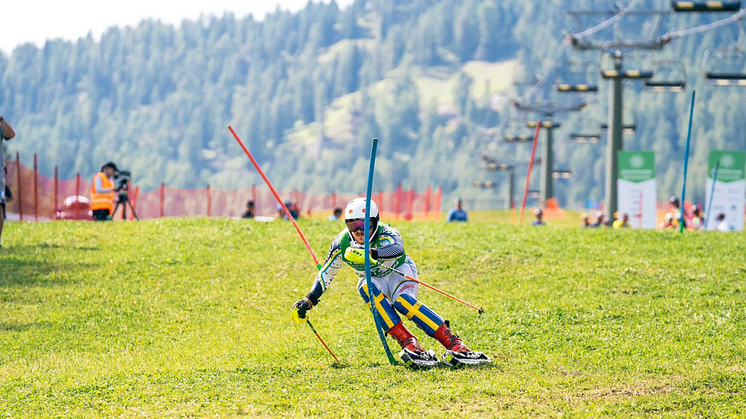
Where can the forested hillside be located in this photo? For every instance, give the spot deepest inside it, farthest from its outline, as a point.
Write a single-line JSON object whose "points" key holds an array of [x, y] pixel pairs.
{"points": [[307, 91]]}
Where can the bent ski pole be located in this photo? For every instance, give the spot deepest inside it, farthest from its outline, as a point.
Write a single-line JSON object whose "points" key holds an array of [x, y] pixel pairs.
{"points": [[682, 220], [368, 261], [290, 217], [480, 310]]}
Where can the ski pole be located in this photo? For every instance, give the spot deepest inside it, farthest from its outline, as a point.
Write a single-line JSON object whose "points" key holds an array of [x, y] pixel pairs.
{"points": [[290, 217], [322, 340], [480, 310]]}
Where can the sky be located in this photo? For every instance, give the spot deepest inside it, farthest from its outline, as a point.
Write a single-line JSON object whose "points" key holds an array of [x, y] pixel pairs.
{"points": [[35, 21]]}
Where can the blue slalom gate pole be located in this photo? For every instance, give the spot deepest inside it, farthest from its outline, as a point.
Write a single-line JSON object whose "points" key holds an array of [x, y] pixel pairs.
{"points": [[712, 194], [366, 230], [686, 162]]}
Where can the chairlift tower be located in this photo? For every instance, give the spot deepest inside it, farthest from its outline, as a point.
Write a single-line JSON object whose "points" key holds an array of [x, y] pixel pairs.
{"points": [[617, 49], [493, 166], [548, 111]]}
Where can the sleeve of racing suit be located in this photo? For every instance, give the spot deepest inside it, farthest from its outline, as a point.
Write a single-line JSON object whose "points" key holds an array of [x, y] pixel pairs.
{"points": [[392, 246], [329, 269]]}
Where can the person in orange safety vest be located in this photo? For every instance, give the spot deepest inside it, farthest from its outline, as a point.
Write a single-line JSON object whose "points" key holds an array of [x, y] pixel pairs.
{"points": [[102, 192]]}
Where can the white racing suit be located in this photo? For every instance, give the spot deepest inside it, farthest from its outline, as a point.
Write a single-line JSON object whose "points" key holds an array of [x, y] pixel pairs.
{"points": [[392, 292]]}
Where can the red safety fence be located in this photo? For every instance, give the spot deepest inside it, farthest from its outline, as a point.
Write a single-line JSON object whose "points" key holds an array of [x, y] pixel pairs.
{"points": [[39, 198]]}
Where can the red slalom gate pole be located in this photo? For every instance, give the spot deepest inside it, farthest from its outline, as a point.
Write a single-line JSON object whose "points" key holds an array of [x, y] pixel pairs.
{"points": [[277, 197], [530, 166], [290, 217]]}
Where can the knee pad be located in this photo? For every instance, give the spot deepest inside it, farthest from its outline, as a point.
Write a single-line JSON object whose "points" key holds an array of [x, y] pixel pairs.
{"points": [[383, 306], [420, 314]]}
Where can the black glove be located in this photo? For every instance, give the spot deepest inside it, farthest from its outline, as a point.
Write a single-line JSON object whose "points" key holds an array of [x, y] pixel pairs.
{"points": [[299, 310]]}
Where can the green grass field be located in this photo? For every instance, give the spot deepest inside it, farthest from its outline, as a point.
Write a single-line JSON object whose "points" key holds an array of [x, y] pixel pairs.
{"points": [[190, 318]]}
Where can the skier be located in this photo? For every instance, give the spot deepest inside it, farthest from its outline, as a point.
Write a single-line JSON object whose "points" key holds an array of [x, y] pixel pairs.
{"points": [[392, 292]]}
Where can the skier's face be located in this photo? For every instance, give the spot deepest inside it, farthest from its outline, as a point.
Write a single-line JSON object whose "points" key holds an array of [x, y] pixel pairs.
{"points": [[357, 228], [359, 236]]}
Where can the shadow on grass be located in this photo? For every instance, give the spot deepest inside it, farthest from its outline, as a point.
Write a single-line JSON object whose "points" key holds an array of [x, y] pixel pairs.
{"points": [[339, 365], [19, 270], [22, 327], [27, 248]]}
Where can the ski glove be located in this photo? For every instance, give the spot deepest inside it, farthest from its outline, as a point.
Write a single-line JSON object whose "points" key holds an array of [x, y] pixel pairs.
{"points": [[357, 256], [299, 310]]}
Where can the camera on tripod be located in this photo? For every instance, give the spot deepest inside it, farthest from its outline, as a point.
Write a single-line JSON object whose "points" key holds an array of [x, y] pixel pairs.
{"points": [[122, 180], [121, 185]]}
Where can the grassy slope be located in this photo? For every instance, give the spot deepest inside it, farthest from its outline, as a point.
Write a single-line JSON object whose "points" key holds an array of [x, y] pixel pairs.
{"points": [[190, 317]]}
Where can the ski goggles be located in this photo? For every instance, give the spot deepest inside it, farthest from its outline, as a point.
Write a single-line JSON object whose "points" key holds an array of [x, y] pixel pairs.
{"points": [[356, 225]]}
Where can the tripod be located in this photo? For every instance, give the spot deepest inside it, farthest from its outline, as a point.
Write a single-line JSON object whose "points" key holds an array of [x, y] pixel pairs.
{"points": [[124, 201]]}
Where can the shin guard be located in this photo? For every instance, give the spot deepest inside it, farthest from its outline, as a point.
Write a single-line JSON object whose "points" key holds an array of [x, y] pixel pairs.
{"points": [[383, 307], [420, 314]]}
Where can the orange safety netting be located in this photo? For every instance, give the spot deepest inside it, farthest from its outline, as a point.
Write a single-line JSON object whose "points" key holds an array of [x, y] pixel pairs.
{"points": [[38, 198]]}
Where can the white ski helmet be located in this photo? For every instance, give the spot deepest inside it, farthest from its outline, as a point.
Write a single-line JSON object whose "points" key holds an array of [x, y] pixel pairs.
{"points": [[355, 212]]}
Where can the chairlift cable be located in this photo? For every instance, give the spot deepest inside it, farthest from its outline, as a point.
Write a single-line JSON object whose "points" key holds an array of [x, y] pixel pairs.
{"points": [[605, 24], [565, 45], [705, 28]]}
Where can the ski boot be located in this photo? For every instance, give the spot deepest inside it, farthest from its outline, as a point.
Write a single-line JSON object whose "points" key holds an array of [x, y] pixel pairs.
{"points": [[457, 354], [412, 354]]}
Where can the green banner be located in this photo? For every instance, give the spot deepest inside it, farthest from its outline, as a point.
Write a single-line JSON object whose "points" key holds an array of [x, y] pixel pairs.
{"points": [[732, 165], [637, 166]]}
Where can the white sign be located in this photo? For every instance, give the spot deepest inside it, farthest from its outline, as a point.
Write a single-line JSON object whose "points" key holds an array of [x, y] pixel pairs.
{"points": [[636, 188], [729, 190]]}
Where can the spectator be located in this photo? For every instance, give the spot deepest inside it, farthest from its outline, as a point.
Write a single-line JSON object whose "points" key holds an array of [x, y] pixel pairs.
{"points": [[722, 224], [696, 223], [102, 192], [336, 215], [6, 133], [294, 210], [669, 222], [539, 221], [586, 220], [281, 212], [249, 210], [457, 214], [623, 223], [600, 221], [676, 204]]}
